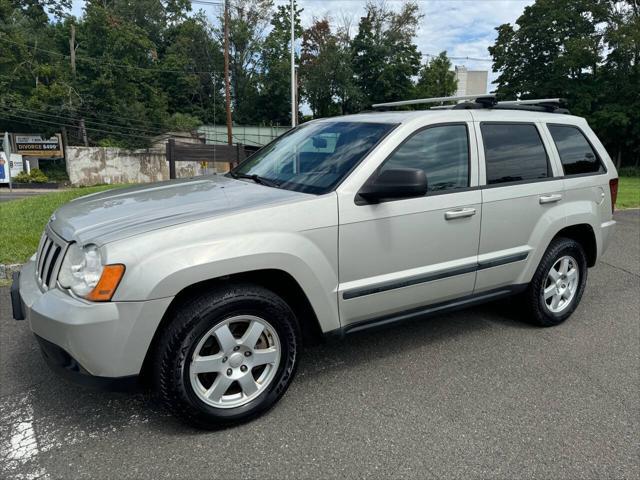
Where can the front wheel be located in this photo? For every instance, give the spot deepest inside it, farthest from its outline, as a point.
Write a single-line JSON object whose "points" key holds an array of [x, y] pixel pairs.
{"points": [[227, 356], [558, 284]]}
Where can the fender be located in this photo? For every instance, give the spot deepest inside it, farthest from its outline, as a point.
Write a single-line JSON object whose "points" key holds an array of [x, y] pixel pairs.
{"points": [[185, 256]]}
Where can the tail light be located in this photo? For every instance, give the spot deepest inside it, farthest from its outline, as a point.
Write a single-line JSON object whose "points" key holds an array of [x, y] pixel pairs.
{"points": [[613, 188]]}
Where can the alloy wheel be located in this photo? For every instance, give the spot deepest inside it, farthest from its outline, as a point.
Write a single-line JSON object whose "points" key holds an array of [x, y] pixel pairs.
{"points": [[561, 284], [235, 361]]}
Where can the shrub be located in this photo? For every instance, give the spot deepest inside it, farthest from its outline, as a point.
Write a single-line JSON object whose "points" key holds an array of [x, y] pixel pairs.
{"points": [[629, 172], [36, 176], [22, 177]]}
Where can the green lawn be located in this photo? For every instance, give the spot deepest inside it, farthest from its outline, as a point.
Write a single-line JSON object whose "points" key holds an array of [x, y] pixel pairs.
{"points": [[22, 221], [628, 192]]}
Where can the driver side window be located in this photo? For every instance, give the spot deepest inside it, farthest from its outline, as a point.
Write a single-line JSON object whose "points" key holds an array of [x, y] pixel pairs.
{"points": [[441, 151]]}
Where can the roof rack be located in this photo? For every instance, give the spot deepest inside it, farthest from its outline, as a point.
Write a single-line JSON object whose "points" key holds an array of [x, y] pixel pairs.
{"points": [[472, 102], [420, 101]]}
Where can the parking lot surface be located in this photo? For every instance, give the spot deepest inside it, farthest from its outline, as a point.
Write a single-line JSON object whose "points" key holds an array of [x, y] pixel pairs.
{"points": [[471, 394]]}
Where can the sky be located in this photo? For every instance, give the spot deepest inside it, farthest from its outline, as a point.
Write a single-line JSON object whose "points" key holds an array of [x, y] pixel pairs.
{"points": [[464, 28]]}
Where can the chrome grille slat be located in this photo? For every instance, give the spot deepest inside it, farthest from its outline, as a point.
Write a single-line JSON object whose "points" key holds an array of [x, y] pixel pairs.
{"points": [[49, 259], [41, 253]]}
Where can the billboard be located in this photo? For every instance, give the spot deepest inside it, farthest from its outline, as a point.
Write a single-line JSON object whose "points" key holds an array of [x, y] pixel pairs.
{"points": [[34, 145]]}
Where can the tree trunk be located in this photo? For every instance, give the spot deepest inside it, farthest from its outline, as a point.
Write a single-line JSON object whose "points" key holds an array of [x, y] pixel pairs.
{"points": [[619, 159]]}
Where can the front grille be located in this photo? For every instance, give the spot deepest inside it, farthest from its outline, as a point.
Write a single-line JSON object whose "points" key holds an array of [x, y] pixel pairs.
{"points": [[49, 258]]}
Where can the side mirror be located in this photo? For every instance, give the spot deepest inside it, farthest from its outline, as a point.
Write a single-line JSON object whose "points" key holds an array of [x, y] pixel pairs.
{"points": [[395, 183]]}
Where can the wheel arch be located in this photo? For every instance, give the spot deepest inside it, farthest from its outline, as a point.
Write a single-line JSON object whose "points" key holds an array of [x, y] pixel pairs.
{"points": [[278, 281], [584, 234]]}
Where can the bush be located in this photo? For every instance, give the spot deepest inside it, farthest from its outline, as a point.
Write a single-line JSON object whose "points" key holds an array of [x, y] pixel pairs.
{"points": [[22, 177], [629, 172], [36, 176]]}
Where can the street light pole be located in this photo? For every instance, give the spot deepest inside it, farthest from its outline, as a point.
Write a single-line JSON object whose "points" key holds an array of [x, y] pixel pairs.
{"points": [[293, 69]]}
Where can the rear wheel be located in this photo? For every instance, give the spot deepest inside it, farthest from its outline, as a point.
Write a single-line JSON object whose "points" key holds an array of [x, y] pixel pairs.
{"points": [[558, 284], [227, 356]]}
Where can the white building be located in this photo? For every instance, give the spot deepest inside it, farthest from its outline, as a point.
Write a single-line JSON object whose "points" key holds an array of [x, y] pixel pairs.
{"points": [[471, 82]]}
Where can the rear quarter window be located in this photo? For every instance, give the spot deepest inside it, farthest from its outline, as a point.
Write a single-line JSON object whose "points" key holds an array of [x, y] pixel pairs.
{"points": [[514, 152], [576, 153]]}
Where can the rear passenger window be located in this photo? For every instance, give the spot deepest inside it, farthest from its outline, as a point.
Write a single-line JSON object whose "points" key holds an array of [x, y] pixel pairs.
{"points": [[441, 151], [576, 154], [513, 152]]}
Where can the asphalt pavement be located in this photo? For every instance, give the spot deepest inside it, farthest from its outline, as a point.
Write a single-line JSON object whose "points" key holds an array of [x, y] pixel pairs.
{"points": [[7, 195], [471, 394]]}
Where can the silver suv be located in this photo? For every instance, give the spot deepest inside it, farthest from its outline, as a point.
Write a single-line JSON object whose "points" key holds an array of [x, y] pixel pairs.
{"points": [[208, 286]]}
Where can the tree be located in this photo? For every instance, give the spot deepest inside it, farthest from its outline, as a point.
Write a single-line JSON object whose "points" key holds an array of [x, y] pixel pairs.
{"points": [[275, 78], [247, 27], [436, 78], [385, 59], [323, 65], [582, 50]]}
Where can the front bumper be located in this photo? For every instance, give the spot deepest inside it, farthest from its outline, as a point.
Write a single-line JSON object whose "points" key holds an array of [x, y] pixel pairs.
{"points": [[109, 339]]}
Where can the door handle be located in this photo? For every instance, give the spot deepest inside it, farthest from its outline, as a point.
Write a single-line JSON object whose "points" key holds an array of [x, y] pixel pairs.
{"points": [[459, 213], [556, 197]]}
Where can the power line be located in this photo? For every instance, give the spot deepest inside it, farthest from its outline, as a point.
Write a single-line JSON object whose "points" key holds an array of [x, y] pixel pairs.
{"points": [[18, 116], [71, 118], [107, 63]]}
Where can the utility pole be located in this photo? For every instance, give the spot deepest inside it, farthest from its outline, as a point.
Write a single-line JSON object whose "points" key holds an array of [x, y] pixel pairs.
{"points": [[227, 86], [293, 68], [72, 57], [72, 50]]}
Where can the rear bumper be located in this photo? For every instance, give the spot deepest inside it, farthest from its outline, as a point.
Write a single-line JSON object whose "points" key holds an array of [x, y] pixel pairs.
{"points": [[107, 339], [606, 232]]}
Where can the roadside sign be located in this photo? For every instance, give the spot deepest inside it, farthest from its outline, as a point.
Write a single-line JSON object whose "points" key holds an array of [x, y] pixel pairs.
{"points": [[34, 145], [10, 167], [4, 168]]}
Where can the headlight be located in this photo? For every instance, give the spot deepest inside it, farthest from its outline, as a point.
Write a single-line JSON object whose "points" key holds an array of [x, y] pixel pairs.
{"points": [[82, 272]]}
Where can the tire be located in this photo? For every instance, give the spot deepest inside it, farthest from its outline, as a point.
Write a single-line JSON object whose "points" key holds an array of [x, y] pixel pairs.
{"points": [[562, 292], [192, 369]]}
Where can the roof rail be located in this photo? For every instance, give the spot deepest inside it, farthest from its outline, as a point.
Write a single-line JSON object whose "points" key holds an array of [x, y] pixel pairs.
{"points": [[472, 102], [419, 101]]}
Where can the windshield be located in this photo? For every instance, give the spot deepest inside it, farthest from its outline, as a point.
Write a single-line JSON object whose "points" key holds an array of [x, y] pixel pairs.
{"points": [[313, 157]]}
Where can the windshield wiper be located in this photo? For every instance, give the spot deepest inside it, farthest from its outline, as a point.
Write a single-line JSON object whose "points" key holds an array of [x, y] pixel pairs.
{"points": [[256, 178]]}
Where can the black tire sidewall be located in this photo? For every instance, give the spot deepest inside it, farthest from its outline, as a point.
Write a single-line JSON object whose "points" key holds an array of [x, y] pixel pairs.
{"points": [[559, 248], [204, 315]]}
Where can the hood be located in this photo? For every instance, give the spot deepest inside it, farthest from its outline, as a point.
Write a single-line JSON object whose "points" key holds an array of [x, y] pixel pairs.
{"points": [[115, 214]]}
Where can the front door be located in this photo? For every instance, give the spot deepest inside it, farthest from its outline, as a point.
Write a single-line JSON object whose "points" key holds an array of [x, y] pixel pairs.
{"points": [[399, 255]]}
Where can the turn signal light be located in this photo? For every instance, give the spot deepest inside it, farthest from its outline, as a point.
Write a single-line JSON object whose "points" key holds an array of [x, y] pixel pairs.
{"points": [[109, 281]]}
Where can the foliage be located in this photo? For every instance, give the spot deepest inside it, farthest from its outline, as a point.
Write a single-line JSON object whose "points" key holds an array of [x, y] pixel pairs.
{"points": [[384, 57], [586, 51], [275, 86], [34, 176], [181, 122], [55, 170], [436, 78], [22, 177], [22, 221]]}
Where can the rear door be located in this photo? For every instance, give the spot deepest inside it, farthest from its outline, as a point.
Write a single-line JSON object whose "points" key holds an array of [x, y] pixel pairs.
{"points": [[521, 186]]}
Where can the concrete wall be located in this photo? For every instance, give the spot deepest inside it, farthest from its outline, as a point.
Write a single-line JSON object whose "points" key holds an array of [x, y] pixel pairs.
{"points": [[98, 165]]}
